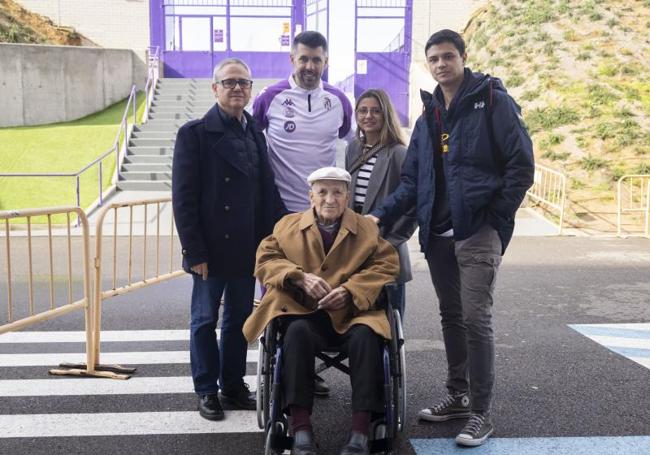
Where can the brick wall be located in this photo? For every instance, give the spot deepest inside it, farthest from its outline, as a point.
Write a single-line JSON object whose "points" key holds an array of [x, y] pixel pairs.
{"points": [[121, 24]]}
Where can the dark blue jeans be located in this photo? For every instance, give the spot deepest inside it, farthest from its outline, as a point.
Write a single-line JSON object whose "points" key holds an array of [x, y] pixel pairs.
{"points": [[225, 363]]}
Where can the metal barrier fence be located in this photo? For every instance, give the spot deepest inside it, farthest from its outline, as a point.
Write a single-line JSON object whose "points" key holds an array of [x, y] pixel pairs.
{"points": [[633, 197], [132, 230], [549, 190], [133, 233], [31, 315]]}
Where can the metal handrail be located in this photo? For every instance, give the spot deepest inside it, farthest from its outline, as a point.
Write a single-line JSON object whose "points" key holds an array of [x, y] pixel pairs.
{"points": [[153, 74], [76, 175], [643, 205], [549, 188], [123, 129]]}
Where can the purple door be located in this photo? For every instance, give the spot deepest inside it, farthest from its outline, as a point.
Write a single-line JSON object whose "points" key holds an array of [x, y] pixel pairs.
{"points": [[383, 50], [194, 35]]}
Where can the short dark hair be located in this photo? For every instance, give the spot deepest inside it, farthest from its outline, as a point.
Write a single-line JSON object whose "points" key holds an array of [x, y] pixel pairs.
{"points": [[310, 39], [446, 36]]}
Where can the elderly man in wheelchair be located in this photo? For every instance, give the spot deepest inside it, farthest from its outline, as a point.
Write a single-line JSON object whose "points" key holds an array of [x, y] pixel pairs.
{"points": [[323, 269]]}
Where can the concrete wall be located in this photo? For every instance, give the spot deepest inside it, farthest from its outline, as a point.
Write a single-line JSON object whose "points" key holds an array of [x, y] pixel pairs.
{"points": [[121, 24], [429, 16], [47, 84]]}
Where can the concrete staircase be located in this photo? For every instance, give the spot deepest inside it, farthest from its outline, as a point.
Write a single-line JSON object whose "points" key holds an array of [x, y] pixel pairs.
{"points": [[148, 162]]}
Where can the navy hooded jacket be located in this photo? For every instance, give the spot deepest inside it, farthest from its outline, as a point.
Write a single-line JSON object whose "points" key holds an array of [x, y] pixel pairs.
{"points": [[488, 168]]}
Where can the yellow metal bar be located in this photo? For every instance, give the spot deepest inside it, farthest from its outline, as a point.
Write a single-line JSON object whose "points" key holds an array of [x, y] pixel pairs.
{"points": [[647, 208], [29, 255], [130, 241], [144, 256], [41, 317], [91, 361], [69, 260], [10, 314], [140, 284], [171, 247], [49, 238], [157, 238], [114, 247]]}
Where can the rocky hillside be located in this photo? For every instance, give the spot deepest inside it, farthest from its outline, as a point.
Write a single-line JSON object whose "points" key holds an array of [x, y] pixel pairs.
{"points": [[581, 71], [17, 25]]}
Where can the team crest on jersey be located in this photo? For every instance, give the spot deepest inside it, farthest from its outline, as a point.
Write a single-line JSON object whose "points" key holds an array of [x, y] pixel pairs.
{"points": [[289, 112], [290, 126], [327, 103], [287, 102]]}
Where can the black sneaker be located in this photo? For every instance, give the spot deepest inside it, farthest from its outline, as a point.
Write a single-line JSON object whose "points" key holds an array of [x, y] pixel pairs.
{"points": [[476, 431], [210, 408], [453, 406], [239, 398]]}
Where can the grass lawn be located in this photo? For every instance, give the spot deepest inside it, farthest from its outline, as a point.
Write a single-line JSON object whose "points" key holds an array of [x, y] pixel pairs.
{"points": [[59, 147]]}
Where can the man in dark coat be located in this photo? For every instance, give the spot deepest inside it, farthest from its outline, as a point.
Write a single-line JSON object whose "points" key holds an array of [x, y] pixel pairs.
{"points": [[467, 169], [225, 201]]}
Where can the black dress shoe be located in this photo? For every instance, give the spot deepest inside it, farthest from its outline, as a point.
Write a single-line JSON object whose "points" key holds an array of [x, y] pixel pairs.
{"points": [[321, 389], [357, 445], [239, 398], [210, 408], [303, 443]]}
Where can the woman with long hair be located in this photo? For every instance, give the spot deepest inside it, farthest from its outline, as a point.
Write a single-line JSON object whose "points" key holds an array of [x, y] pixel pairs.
{"points": [[374, 159]]}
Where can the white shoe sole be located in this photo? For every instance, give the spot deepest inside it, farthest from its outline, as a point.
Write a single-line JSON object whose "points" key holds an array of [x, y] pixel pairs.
{"points": [[435, 418], [469, 442]]}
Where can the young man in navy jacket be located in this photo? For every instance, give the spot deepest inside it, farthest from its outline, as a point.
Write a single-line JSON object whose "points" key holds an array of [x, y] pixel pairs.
{"points": [[468, 166]]}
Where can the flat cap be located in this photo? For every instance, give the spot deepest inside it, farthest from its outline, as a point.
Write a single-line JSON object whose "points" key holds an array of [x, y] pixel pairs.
{"points": [[329, 173]]}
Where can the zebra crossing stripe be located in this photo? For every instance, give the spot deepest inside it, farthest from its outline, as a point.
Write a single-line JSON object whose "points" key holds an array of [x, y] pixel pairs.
{"points": [[106, 336], [122, 358], [90, 386], [123, 424], [629, 340]]}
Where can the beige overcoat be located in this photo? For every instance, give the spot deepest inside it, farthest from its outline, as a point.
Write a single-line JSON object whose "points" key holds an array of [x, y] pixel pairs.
{"points": [[359, 260]]}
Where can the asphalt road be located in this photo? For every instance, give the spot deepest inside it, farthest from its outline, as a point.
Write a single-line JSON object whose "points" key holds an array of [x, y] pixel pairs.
{"points": [[552, 381]]}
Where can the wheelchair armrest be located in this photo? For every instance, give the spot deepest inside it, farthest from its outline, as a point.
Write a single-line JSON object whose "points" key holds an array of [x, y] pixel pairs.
{"points": [[388, 297]]}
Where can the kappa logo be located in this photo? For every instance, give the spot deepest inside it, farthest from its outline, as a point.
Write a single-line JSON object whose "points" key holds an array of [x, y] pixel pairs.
{"points": [[288, 102], [479, 105], [327, 103], [290, 126]]}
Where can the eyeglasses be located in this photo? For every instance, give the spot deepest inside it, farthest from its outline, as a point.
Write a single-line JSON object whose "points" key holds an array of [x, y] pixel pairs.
{"points": [[375, 111], [230, 83]]}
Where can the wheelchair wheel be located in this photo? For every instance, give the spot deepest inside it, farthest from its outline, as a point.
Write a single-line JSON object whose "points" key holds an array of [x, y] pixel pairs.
{"points": [[260, 384], [275, 429], [401, 380], [265, 367]]}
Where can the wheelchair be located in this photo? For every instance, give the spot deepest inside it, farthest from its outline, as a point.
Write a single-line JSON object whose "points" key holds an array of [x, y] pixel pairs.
{"points": [[384, 431]]}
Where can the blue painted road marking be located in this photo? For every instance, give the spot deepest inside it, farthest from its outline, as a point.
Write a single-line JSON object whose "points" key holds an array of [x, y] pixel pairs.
{"points": [[629, 340], [624, 445]]}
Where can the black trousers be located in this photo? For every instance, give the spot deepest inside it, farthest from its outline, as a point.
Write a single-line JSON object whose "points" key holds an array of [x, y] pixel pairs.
{"points": [[307, 335]]}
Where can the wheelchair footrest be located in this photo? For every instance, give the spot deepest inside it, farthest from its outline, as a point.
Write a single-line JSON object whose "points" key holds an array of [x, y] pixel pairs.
{"points": [[381, 445], [282, 442]]}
